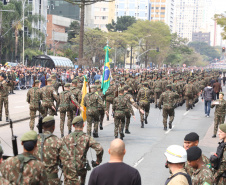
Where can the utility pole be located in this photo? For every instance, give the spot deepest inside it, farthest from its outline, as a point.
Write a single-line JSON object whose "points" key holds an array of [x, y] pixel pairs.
{"points": [[24, 1], [131, 57], [0, 35]]}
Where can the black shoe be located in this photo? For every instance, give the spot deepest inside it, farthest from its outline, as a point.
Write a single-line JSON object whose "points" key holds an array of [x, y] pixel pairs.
{"points": [[165, 128], [101, 127], [0, 118], [170, 125], [116, 137], [187, 109], [193, 105], [95, 135], [127, 131], [213, 136], [146, 121], [121, 136], [142, 124], [7, 119], [69, 131], [156, 106], [62, 135], [108, 118], [13, 93]]}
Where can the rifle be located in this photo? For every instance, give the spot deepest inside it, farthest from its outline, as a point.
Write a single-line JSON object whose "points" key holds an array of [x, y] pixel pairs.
{"points": [[34, 78], [62, 85], [39, 125]]}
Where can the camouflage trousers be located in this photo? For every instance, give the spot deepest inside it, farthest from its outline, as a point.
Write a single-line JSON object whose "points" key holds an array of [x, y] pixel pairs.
{"points": [[54, 181], [128, 116], [33, 111], [5, 101], [93, 118], [101, 115], [48, 110], [144, 105], [157, 96], [221, 181], [218, 119], [108, 103], [189, 101], [119, 120], [62, 120], [168, 112], [82, 174]]}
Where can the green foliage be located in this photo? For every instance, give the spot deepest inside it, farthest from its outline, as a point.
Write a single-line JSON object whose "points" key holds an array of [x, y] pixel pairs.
{"points": [[221, 20], [31, 52], [73, 30], [122, 24]]}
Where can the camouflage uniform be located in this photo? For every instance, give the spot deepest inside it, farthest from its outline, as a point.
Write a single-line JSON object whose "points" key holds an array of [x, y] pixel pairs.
{"points": [[157, 91], [77, 145], [101, 109], [110, 96], [188, 92], [119, 106], [56, 85], [4, 98], [202, 176], [168, 100], [66, 97], [48, 95], [92, 102], [49, 155], [33, 98], [219, 114], [13, 79], [4, 181], [144, 103], [190, 170], [76, 92], [33, 170]]}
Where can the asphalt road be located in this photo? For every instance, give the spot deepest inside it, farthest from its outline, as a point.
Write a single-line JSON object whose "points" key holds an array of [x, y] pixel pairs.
{"points": [[144, 147]]}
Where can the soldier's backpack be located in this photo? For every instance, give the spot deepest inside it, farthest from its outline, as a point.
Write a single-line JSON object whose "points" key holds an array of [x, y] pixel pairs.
{"points": [[180, 173], [44, 137], [158, 87], [188, 90]]}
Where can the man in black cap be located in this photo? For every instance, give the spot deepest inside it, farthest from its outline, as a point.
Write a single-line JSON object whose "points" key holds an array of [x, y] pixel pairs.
{"points": [[190, 140], [202, 174]]}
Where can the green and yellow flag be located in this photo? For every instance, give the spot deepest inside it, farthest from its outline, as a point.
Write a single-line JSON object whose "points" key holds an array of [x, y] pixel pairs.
{"points": [[106, 74], [84, 92]]}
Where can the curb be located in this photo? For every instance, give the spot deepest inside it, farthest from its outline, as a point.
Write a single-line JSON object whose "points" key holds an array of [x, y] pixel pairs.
{"points": [[15, 121]]}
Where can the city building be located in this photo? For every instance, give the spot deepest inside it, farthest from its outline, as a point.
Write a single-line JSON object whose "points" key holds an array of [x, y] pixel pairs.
{"points": [[201, 37]]}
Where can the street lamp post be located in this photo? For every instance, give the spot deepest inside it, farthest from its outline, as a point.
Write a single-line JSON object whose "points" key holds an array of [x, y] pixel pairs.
{"points": [[24, 1]]}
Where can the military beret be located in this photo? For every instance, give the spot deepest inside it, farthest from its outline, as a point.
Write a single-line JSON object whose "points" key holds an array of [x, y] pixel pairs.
{"points": [[67, 85], [145, 83], [48, 118], [37, 81], [49, 79], [77, 119], [1, 150], [74, 81], [191, 137], [29, 136], [53, 75], [126, 87], [222, 127], [194, 153], [99, 87], [221, 93], [121, 89], [93, 87], [97, 81]]}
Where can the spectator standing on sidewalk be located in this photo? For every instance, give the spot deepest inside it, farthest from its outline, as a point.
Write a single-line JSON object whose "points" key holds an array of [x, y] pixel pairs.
{"points": [[217, 88], [208, 95]]}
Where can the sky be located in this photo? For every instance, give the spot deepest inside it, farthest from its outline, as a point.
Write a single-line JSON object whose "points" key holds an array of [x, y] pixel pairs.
{"points": [[220, 5]]}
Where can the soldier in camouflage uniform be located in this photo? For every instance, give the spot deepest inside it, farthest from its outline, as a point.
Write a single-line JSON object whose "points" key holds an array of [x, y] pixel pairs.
{"points": [[130, 99], [190, 140], [77, 145], [202, 174], [168, 99], [157, 90], [13, 80], [48, 150], [4, 96], [76, 92], [92, 102], [220, 111], [143, 97], [48, 95], [66, 97], [55, 83], [2, 180], [25, 168], [188, 93], [33, 98], [120, 105], [110, 95], [100, 108]]}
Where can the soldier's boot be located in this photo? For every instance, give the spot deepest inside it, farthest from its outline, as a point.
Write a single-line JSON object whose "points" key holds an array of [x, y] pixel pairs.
{"points": [[190, 105], [214, 136], [165, 128], [142, 124], [62, 135], [69, 131], [146, 121], [156, 106], [101, 126], [95, 134], [121, 136], [13, 92], [107, 118], [170, 125], [116, 137], [0, 118], [127, 131], [7, 119], [193, 105]]}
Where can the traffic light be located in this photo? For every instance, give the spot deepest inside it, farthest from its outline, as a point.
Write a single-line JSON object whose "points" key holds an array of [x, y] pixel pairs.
{"points": [[157, 49], [223, 50]]}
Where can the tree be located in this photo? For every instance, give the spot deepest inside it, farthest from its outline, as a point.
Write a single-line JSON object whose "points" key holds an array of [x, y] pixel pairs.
{"points": [[221, 20], [73, 30], [82, 4], [122, 24]]}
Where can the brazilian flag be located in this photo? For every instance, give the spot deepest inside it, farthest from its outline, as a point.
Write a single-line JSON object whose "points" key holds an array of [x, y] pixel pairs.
{"points": [[106, 74]]}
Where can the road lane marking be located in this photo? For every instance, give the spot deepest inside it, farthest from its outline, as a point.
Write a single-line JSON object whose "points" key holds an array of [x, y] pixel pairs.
{"points": [[186, 113], [169, 130], [138, 162]]}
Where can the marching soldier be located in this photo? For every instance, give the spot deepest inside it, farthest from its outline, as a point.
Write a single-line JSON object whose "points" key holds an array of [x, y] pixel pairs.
{"points": [[168, 100], [188, 92], [4, 96], [157, 90], [100, 108], [110, 96], [55, 83], [66, 97], [48, 150], [77, 145], [48, 95], [119, 106], [2, 180], [92, 102], [77, 93], [143, 97], [26, 169], [33, 98]]}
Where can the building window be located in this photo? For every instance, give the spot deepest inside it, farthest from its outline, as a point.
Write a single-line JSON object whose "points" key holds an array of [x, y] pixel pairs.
{"points": [[163, 8]]}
